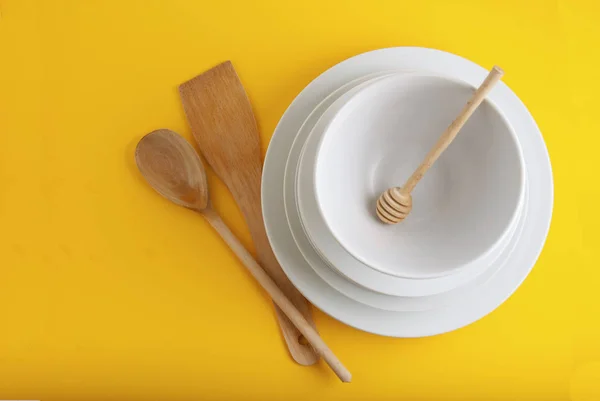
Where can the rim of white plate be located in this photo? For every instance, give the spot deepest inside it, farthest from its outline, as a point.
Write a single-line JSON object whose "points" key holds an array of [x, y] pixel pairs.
{"points": [[407, 324]]}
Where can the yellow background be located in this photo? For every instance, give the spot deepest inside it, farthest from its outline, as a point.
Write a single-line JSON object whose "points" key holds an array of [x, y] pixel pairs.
{"points": [[107, 291]]}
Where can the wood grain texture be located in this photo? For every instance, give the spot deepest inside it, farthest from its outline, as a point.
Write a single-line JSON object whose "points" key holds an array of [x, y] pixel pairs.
{"points": [[395, 204], [223, 125], [173, 168]]}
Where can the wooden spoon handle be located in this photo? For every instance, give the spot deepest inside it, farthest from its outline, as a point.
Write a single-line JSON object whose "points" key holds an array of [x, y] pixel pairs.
{"points": [[453, 129], [278, 296]]}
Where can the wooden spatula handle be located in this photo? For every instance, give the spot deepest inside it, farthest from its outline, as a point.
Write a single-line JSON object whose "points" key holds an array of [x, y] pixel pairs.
{"points": [[250, 206], [450, 133], [278, 296]]}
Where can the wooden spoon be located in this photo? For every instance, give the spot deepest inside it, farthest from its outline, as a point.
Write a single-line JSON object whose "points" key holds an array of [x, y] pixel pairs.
{"points": [[173, 168], [395, 204], [223, 125]]}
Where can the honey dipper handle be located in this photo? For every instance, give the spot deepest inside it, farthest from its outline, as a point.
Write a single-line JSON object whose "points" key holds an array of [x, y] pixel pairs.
{"points": [[453, 129], [277, 295]]}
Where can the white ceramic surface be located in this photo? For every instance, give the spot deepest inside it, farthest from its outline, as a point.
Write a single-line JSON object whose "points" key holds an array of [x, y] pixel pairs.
{"points": [[464, 205], [337, 257], [488, 296], [318, 262]]}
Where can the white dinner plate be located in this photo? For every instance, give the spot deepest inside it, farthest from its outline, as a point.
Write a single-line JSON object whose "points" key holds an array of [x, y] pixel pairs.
{"points": [[487, 296], [334, 253], [319, 263]]}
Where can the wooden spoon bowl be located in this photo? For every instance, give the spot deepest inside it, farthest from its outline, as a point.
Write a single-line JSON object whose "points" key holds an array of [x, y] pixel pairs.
{"points": [[172, 167]]}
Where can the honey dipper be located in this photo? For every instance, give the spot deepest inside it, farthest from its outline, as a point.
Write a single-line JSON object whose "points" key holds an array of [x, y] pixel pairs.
{"points": [[396, 203]]}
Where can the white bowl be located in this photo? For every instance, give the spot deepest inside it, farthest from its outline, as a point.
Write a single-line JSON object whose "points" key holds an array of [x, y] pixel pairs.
{"points": [[319, 263], [463, 206], [326, 246]]}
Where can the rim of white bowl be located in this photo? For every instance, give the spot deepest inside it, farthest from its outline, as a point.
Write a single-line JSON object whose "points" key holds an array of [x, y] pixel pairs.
{"points": [[477, 256]]}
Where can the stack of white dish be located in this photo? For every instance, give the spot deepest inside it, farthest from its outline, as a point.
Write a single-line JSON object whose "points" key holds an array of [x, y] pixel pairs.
{"points": [[473, 235]]}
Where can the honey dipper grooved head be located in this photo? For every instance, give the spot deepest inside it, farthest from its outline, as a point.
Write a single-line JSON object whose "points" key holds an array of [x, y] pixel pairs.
{"points": [[393, 206]]}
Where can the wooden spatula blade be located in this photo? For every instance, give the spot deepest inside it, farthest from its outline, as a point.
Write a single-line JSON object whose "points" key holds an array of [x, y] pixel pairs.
{"points": [[218, 108]]}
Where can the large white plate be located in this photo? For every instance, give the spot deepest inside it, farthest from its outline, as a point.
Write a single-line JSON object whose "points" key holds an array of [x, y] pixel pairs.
{"points": [[486, 297], [332, 251], [318, 262]]}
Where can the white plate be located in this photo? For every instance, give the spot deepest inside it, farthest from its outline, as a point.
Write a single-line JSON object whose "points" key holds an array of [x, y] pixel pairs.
{"points": [[334, 253], [486, 297], [318, 262]]}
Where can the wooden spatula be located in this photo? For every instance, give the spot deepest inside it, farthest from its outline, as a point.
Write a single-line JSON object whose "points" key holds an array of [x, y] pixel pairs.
{"points": [[223, 124]]}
